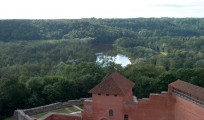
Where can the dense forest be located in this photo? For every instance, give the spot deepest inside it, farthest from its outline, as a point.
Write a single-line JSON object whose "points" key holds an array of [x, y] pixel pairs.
{"points": [[45, 61]]}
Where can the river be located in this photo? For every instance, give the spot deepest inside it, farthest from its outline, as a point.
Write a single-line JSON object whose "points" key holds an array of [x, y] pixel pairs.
{"points": [[104, 60]]}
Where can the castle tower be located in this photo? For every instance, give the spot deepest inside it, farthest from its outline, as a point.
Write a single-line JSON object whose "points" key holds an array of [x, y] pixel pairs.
{"points": [[109, 97]]}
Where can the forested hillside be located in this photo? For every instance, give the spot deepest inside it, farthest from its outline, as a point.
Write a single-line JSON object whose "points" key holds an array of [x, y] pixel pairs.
{"points": [[102, 30], [45, 61]]}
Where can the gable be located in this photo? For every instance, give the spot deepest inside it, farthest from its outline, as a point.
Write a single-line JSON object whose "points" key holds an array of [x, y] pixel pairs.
{"points": [[115, 84]]}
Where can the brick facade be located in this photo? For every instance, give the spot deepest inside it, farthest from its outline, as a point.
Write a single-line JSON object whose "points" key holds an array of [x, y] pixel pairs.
{"points": [[165, 106]]}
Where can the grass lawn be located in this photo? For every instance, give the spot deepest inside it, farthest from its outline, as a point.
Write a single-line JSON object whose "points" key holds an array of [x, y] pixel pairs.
{"points": [[63, 110], [9, 118]]}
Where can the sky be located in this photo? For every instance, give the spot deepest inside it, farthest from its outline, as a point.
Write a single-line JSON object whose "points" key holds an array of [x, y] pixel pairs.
{"points": [[76, 9]]}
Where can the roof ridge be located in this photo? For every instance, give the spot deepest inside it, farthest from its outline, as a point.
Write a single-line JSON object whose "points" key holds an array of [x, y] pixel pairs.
{"points": [[186, 83], [104, 79], [114, 84]]}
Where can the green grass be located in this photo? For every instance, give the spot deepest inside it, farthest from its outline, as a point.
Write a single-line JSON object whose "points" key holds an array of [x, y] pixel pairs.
{"points": [[39, 115], [74, 109], [9, 118], [63, 111]]}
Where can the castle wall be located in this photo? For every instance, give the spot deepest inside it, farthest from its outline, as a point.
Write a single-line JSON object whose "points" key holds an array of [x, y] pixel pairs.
{"points": [[87, 113], [187, 110], [102, 104], [20, 115], [128, 96], [164, 107], [157, 107], [26, 113]]}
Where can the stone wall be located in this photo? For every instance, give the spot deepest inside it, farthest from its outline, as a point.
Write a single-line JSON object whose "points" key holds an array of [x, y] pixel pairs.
{"points": [[26, 113], [20, 115], [41, 109]]}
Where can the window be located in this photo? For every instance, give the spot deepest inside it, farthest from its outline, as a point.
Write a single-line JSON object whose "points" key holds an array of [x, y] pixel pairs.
{"points": [[107, 94], [99, 93], [125, 117], [110, 112], [115, 95]]}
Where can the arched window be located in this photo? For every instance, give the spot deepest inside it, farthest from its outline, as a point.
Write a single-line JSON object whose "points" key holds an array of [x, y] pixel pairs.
{"points": [[110, 112], [125, 117]]}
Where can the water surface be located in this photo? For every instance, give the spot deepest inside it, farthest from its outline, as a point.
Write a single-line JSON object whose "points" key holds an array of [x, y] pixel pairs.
{"points": [[104, 60]]}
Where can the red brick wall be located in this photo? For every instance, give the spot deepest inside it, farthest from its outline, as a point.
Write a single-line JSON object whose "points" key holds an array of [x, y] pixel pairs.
{"points": [[88, 111], [157, 107], [102, 104], [186, 110], [128, 96], [165, 107]]}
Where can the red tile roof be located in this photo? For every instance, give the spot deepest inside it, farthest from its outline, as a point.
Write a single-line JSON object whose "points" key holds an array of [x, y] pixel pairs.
{"points": [[193, 90], [115, 84]]}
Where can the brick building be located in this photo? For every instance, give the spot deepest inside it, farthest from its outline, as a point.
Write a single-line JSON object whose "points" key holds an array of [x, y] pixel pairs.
{"points": [[112, 99], [109, 99]]}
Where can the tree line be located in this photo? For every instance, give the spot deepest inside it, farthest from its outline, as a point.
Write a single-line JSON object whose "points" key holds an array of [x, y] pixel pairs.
{"points": [[102, 30]]}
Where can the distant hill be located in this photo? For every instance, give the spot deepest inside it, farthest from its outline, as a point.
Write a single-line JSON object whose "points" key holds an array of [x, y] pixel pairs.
{"points": [[102, 30]]}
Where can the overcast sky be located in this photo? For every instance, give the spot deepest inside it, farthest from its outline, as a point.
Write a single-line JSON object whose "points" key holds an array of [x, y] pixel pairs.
{"points": [[66, 9]]}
